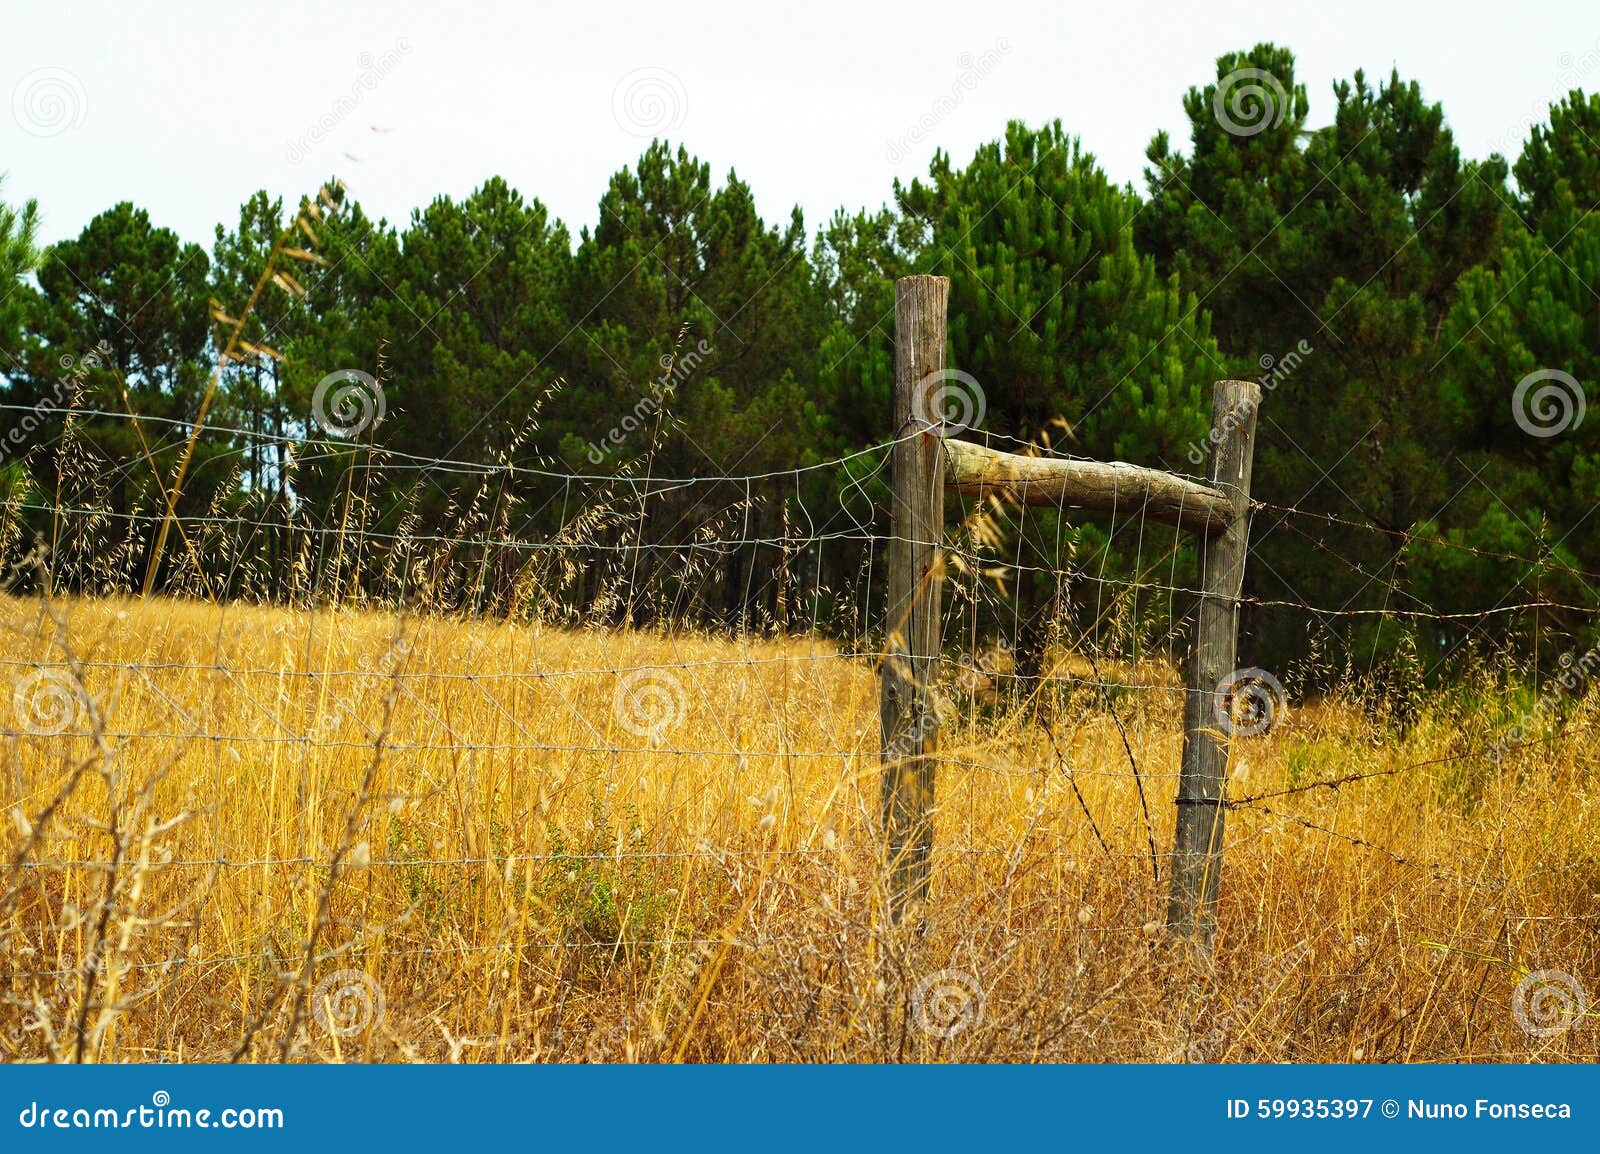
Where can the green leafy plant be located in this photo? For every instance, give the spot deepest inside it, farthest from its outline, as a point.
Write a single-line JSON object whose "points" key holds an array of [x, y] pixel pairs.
{"points": [[603, 889]]}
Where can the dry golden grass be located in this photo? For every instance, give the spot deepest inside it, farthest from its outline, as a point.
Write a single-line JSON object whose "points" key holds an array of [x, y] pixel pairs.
{"points": [[246, 801]]}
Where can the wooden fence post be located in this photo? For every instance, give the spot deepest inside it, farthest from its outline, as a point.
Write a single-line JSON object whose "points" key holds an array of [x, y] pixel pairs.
{"points": [[1202, 784], [914, 586]]}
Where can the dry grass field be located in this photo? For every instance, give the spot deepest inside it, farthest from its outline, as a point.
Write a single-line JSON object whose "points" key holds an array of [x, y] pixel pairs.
{"points": [[268, 834]]}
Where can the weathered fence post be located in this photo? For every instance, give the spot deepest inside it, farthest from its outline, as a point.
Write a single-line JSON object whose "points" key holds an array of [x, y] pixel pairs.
{"points": [[1202, 784], [914, 584]]}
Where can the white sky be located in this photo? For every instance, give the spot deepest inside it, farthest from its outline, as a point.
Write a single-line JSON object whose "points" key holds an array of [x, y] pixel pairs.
{"points": [[186, 108]]}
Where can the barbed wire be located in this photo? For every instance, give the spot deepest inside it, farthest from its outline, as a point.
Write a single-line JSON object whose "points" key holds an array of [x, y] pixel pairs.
{"points": [[521, 947], [515, 859], [1410, 536], [1105, 630], [449, 464], [652, 486]]}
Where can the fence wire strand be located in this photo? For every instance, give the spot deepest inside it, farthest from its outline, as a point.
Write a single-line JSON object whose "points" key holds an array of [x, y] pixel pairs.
{"points": [[718, 626]]}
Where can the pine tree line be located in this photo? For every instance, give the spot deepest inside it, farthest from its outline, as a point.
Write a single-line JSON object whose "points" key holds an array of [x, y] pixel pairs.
{"points": [[1390, 294]]}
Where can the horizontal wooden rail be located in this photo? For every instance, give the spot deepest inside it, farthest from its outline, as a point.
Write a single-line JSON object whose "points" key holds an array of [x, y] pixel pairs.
{"points": [[977, 471]]}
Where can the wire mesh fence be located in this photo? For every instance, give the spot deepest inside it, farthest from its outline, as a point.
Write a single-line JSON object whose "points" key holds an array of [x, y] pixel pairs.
{"points": [[408, 757]]}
